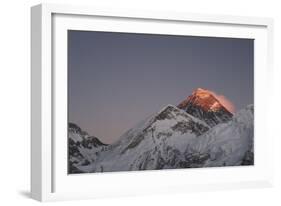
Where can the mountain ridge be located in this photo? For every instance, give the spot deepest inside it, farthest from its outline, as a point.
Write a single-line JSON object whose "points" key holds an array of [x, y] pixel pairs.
{"points": [[168, 139]]}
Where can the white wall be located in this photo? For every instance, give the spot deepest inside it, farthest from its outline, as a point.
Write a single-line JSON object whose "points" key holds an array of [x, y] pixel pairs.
{"points": [[15, 95]]}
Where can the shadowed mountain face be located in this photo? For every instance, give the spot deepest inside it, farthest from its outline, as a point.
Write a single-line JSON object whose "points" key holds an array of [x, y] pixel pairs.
{"points": [[203, 105], [200, 132]]}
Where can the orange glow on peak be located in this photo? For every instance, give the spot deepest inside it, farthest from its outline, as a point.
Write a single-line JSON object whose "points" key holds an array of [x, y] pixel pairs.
{"points": [[208, 100], [204, 93]]}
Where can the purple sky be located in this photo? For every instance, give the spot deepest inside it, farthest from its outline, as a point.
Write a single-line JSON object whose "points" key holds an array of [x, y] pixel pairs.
{"points": [[116, 80]]}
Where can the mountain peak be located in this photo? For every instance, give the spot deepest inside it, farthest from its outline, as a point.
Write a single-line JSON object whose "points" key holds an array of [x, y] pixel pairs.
{"points": [[204, 105], [204, 99]]}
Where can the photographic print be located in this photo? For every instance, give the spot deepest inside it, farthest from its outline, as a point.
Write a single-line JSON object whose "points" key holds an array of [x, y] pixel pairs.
{"points": [[155, 101]]}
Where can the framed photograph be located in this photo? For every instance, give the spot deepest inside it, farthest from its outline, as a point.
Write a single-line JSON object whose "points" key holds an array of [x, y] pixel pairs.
{"points": [[137, 102]]}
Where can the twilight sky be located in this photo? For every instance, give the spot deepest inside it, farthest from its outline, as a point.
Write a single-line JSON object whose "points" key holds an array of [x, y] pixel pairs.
{"points": [[116, 80]]}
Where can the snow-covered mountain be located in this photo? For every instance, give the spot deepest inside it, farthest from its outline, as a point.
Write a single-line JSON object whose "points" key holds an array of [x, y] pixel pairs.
{"points": [[205, 106], [173, 138], [82, 148], [155, 143]]}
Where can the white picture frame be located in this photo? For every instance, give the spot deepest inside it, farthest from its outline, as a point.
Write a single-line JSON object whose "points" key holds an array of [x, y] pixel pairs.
{"points": [[49, 179]]}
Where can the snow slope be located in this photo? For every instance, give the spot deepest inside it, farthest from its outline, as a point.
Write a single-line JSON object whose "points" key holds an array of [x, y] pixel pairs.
{"points": [[227, 144]]}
